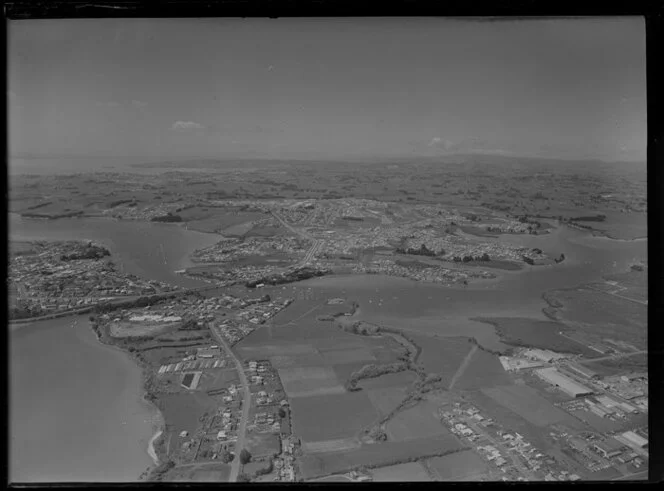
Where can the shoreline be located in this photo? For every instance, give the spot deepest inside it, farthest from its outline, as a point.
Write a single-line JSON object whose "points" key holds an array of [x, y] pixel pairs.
{"points": [[157, 418]]}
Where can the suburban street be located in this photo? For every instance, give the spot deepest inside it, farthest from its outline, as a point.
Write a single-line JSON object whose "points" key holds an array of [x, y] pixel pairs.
{"points": [[246, 403]]}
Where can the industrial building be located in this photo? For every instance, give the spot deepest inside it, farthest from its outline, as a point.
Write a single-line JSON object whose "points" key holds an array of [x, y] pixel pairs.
{"points": [[582, 371], [544, 355], [567, 385], [609, 448], [635, 439], [514, 364]]}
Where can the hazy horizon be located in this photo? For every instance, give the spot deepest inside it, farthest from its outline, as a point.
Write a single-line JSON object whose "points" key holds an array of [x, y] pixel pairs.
{"points": [[327, 89]]}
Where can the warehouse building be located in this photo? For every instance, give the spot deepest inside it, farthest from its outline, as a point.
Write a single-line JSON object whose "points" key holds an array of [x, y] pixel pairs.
{"points": [[567, 385], [635, 439], [609, 448], [582, 371]]}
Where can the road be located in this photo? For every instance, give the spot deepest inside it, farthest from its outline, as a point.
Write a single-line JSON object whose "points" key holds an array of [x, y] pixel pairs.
{"points": [[613, 357], [302, 233], [637, 476], [462, 367], [246, 404]]}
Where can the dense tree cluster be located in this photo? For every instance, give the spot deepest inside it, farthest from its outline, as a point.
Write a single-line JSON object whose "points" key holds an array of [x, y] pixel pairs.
{"points": [[90, 251], [167, 218], [422, 251], [467, 259]]}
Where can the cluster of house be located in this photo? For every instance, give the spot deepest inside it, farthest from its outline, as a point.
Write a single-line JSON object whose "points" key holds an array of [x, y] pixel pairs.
{"points": [[129, 210], [461, 418], [434, 274], [248, 319], [228, 425], [284, 464], [47, 283], [231, 249], [204, 359], [267, 421]]}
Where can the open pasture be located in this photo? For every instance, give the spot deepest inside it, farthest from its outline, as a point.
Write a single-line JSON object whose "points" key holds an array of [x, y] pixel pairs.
{"points": [[604, 315], [528, 404], [460, 466], [408, 472], [300, 360], [387, 399], [442, 355], [376, 455], [483, 370], [335, 445], [329, 417], [261, 351], [263, 444], [343, 343], [309, 381], [335, 478], [345, 370], [535, 333], [200, 473], [419, 421], [341, 356], [399, 379], [136, 329], [182, 411]]}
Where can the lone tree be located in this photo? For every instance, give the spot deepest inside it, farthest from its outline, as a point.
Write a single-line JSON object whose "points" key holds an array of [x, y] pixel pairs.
{"points": [[245, 456], [225, 456], [282, 412]]}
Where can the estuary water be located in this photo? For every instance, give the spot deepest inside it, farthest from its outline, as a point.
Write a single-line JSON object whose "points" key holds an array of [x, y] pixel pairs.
{"points": [[149, 250], [76, 412], [446, 311]]}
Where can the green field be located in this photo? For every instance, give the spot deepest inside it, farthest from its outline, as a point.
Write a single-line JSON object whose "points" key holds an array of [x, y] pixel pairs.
{"points": [[310, 381], [342, 356], [182, 411], [399, 379], [336, 478], [328, 417], [419, 421], [535, 333], [461, 466], [387, 399], [377, 455], [263, 444], [602, 315], [483, 370], [528, 404], [409, 472], [442, 356], [200, 473]]}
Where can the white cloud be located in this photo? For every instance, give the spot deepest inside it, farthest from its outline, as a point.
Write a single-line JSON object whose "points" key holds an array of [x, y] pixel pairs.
{"points": [[107, 104], [186, 125], [139, 103]]}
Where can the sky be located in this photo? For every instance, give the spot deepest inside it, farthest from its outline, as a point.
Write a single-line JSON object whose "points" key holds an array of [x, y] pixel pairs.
{"points": [[328, 88]]}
